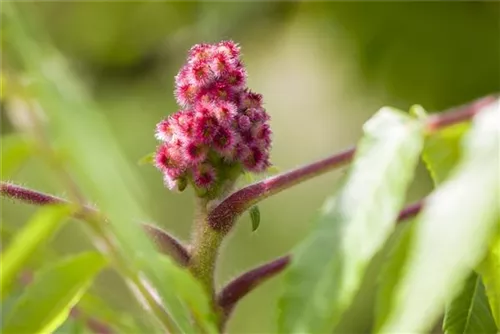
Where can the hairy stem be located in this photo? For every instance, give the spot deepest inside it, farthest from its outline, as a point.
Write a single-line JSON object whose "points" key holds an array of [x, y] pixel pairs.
{"points": [[167, 244], [205, 246], [235, 290], [238, 288], [223, 216], [164, 242]]}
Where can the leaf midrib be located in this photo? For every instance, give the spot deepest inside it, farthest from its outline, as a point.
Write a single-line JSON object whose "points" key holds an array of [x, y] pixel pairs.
{"points": [[473, 297]]}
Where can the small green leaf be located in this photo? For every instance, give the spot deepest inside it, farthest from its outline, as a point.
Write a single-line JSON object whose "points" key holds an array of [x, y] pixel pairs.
{"points": [[47, 301], [273, 170], [452, 233], [148, 159], [328, 267], [255, 217], [26, 242], [418, 112], [469, 312], [249, 177], [490, 272], [15, 151], [442, 151]]}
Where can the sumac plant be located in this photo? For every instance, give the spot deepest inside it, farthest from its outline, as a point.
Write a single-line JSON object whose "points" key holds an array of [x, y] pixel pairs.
{"points": [[443, 263]]}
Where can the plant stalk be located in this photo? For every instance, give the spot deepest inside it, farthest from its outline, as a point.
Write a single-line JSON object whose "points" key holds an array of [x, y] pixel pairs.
{"points": [[205, 245], [223, 217]]}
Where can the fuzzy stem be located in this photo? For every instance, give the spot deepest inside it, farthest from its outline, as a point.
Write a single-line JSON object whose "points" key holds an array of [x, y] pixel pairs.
{"points": [[167, 244], [164, 242], [205, 246], [238, 288], [223, 216], [235, 290]]}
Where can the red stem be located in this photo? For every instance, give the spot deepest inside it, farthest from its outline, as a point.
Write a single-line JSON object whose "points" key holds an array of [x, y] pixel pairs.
{"points": [[458, 114], [238, 288], [167, 244], [223, 216], [164, 242]]}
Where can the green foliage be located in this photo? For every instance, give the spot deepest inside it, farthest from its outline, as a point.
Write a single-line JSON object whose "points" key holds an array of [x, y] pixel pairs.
{"points": [[16, 150], [104, 175], [47, 301], [92, 305], [441, 154], [490, 272], [327, 268], [255, 217], [148, 159], [392, 269], [444, 227], [27, 241], [73, 326], [442, 151], [469, 312]]}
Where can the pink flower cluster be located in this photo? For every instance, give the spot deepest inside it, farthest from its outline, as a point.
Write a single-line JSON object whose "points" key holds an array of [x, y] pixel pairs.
{"points": [[221, 126]]}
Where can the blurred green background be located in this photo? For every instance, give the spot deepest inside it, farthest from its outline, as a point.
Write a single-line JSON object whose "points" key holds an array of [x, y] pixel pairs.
{"points": [[324, 68]]}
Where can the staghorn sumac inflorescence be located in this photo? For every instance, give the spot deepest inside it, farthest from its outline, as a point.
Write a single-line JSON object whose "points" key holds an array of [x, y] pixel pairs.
{"points": [[222, 129]]}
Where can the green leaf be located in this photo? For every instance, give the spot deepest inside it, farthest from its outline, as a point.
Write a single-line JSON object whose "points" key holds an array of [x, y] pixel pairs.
{"points": [[92, 305], [6, 234], [47, 301], [490, 272], [391, 270], [418, 112], [148, 159], [452, 233], [271, 170], [102, 174], [255, 217], [15, 151], [183, 283], [442, 151], [328, 267], [469, 312], [441, 154], [26, 242], [73, 326]]}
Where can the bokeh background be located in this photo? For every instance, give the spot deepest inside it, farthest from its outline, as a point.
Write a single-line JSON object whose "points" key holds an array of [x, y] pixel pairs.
{"points": [[323, 67]]}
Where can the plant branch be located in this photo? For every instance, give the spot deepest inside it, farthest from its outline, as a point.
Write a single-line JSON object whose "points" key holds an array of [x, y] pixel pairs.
{"points": [[205, 244], [238, 288], [223, 216], [164, 242], [458, 114], [229, 296]]}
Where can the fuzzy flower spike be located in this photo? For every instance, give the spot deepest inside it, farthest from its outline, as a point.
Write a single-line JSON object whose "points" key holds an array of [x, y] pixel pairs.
{"points": [[221, 130]]}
